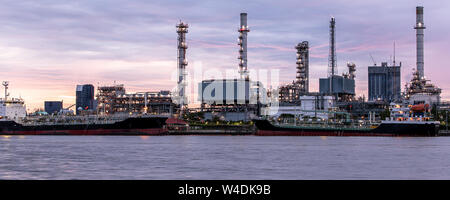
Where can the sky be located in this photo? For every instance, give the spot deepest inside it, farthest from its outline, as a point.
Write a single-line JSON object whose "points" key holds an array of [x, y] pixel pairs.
{"points": [[47, 47]]}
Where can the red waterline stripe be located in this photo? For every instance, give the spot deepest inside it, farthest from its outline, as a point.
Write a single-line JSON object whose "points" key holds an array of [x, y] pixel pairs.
{"points": [[321, 133], [152, 131]]}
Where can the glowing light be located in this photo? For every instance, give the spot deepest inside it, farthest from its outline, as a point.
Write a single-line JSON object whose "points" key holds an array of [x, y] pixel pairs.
{"points": [[144, 137]]}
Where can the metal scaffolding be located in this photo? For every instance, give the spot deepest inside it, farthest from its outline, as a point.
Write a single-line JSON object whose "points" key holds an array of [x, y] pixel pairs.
{"points": [[106, 98], [114, 99]]}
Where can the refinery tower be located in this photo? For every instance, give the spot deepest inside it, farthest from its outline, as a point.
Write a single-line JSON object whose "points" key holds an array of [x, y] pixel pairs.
{"points": [[420, 90]]}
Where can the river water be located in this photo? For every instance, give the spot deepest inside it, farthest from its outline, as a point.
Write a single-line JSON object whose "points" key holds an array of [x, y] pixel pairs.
{"points": [[223, 157]]}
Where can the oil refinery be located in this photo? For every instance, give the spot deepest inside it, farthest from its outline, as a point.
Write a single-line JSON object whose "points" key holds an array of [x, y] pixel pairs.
{"points": [[247, 100]]}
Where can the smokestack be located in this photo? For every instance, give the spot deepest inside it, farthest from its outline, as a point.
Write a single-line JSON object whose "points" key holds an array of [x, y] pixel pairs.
{"points": [[244, 19], [332, 56], [242, 42], [182, 29], [420, 26]]}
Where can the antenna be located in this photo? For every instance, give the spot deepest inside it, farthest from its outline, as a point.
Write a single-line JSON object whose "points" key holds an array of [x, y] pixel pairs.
{"points": [[394, 53], [374, 63], [5, 84]]}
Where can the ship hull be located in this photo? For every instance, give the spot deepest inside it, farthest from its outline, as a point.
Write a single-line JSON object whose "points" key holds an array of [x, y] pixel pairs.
{"points": [[265, 128], [130, 126]]}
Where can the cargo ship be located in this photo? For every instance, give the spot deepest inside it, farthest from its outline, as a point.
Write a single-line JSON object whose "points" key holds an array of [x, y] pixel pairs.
{"points": [[399, 124]]}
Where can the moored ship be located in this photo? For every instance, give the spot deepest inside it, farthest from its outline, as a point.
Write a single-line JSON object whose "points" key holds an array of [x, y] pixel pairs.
{"points": [[399, 124], [386, 128], [133, 125], [15, 121]]}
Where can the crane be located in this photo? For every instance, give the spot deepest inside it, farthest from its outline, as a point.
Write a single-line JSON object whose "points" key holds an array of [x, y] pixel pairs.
{"points": [[70, 107], [63, 111]]}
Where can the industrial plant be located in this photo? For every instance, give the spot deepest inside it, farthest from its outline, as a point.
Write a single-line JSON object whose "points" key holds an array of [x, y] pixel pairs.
{"points": [[245, 98]]}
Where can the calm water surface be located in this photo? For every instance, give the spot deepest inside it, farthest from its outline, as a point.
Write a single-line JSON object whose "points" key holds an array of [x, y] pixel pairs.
{"points": [[223, 157]]}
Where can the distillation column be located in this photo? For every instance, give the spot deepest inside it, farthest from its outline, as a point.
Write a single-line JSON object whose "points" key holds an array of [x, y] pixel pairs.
{"points": [[242, 42], [182, 29], [303, 67], [332, 55]]}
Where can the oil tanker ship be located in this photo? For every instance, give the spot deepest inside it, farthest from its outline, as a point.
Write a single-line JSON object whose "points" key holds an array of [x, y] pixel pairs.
{"points": [[400, 123], [135, 125], [15, 121], [386, 128]]}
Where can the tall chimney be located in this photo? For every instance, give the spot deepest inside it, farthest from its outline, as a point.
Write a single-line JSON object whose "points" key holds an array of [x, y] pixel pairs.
{"points": [[182, 29], [242, 42], [420, 26], [332, 54]]}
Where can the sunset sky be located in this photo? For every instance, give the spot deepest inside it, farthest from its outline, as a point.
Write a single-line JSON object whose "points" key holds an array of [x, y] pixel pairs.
{"points": [[48, 47]]}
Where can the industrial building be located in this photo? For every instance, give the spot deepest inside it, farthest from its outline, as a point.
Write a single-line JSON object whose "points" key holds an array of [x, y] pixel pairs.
{"points": [[114, 99], [230, 92], [312, 106], [384, 82], [240, 96], [53, 107], [419, 90], [342, 87], [84, 98], [296, 99]]}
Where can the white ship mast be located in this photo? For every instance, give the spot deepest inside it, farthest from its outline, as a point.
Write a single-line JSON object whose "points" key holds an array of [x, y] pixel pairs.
{"points": [[11, 109]]}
